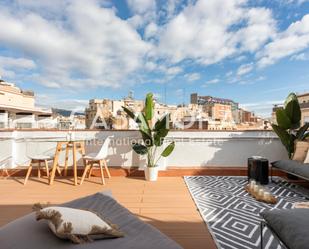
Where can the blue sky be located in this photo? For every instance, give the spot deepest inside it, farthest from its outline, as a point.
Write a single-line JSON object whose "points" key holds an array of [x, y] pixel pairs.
{"points": [[254, 52]]}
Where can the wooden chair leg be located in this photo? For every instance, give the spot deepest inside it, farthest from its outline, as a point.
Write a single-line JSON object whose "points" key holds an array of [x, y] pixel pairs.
{"points": [[90, 171], [55, 163], [59, 170], [106, 168], [84, 174], [102, 174], [46, 167], [28, 172], [39, 169]]}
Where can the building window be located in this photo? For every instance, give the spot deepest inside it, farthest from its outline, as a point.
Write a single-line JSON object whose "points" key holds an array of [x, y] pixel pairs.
{"points": [[24, 125]]}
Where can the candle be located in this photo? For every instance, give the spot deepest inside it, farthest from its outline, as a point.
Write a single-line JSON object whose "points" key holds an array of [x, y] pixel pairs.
{"points": [[253, 182], [251, 185], [256, 188], [266, 195]]}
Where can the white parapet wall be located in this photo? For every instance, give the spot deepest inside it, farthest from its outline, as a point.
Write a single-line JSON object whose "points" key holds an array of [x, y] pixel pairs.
{"points": [[193, 148]]}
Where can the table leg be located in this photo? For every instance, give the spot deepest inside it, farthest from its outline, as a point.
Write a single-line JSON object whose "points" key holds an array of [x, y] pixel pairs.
{"points": [[55, 163], [81, 147], [66, 161], [39, 169], [74, 163]]}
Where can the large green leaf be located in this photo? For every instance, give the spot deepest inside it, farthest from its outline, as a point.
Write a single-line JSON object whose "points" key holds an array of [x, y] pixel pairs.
{"points": [[286, 139], [292, 109], [282, 119], [149, 106], [140, 149], [301, 133], [143, 124], [128, 111], [168, 150], [148, 140], [159, 136], [289, 98], [162, 123]]}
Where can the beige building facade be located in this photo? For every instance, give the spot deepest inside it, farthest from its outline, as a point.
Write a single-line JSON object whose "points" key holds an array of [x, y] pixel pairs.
{"points": [[18, 110], [303, 100], [108, 114]]}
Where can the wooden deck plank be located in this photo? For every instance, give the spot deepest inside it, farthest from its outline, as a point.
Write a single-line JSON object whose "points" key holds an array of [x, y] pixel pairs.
{"points": [[165, 204]]}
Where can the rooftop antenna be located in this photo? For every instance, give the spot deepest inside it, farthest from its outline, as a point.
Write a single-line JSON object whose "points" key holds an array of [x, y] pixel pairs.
{"points": [[131, 94], [183, 96]]}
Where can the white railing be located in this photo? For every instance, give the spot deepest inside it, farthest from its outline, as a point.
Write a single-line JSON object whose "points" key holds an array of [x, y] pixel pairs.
{"points": [[193, 148]]}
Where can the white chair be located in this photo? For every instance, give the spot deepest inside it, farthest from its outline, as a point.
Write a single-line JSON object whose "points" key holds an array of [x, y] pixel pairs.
{"points": [[97, 158], [38, 158]]}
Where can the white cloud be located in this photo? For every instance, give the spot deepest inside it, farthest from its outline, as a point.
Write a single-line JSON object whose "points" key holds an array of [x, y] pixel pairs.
{"points": [[141, 6], [291, 41], [260, 28], [179, 92], [6, 74], [10, 66], [206, 33], [299, 2], [174, 70], [151, 30], [21, 63], [192, 76], [211, 82], [244, 69], [263, 108], [101, 56], [229, 73], [57, 41], [48, 101], [300, 57]]}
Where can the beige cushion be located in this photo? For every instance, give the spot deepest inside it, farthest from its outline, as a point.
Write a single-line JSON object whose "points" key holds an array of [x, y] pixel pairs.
{"points": [[77, 225], [307, 158], [301, 205], [301, 149]]}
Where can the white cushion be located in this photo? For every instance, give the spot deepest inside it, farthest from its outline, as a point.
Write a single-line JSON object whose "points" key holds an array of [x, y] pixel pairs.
{"points": [[77, 225], [41, 157], [91, 156]]}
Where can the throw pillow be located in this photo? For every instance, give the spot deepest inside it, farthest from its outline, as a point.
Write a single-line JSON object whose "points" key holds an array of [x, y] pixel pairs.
{"points": [[301, 205], [307, 158], [301, 149], [77, 225]]}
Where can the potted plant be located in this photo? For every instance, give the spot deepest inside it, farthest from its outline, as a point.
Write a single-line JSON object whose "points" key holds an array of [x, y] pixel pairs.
{"points": [[153, 136], [288, 124]]}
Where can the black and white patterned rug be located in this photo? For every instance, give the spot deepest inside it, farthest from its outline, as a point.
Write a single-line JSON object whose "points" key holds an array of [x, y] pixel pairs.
{"points": [[231, 215]]}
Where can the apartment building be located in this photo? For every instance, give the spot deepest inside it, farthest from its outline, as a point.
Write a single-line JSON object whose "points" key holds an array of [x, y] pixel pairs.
{"points": [[18, 110], [219, 109], [108, 114], [303, 100]]}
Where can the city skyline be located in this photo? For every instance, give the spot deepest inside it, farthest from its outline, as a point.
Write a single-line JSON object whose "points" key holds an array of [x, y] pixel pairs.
{"points": [[253, 52]]}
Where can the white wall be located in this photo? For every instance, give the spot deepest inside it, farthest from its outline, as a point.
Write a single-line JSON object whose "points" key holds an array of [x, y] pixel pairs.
{"points": [[193, 149]]}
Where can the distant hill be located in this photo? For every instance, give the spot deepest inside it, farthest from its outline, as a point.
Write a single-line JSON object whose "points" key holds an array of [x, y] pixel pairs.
{"points": [[65, 113]]}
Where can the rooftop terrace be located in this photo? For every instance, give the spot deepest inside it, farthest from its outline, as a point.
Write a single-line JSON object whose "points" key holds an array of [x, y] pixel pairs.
{"points": [[165, 204]]}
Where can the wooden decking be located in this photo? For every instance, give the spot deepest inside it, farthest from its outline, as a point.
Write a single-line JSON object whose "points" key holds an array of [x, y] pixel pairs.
{"points": [[165, 204]]}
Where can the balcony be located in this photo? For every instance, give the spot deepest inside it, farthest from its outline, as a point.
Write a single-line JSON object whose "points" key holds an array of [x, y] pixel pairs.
{"points": [[194, 149], [165, 204]]}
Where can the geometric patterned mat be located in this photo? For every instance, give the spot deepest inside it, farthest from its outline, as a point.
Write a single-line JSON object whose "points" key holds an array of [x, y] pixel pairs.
{"points": [[232, 215]]}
